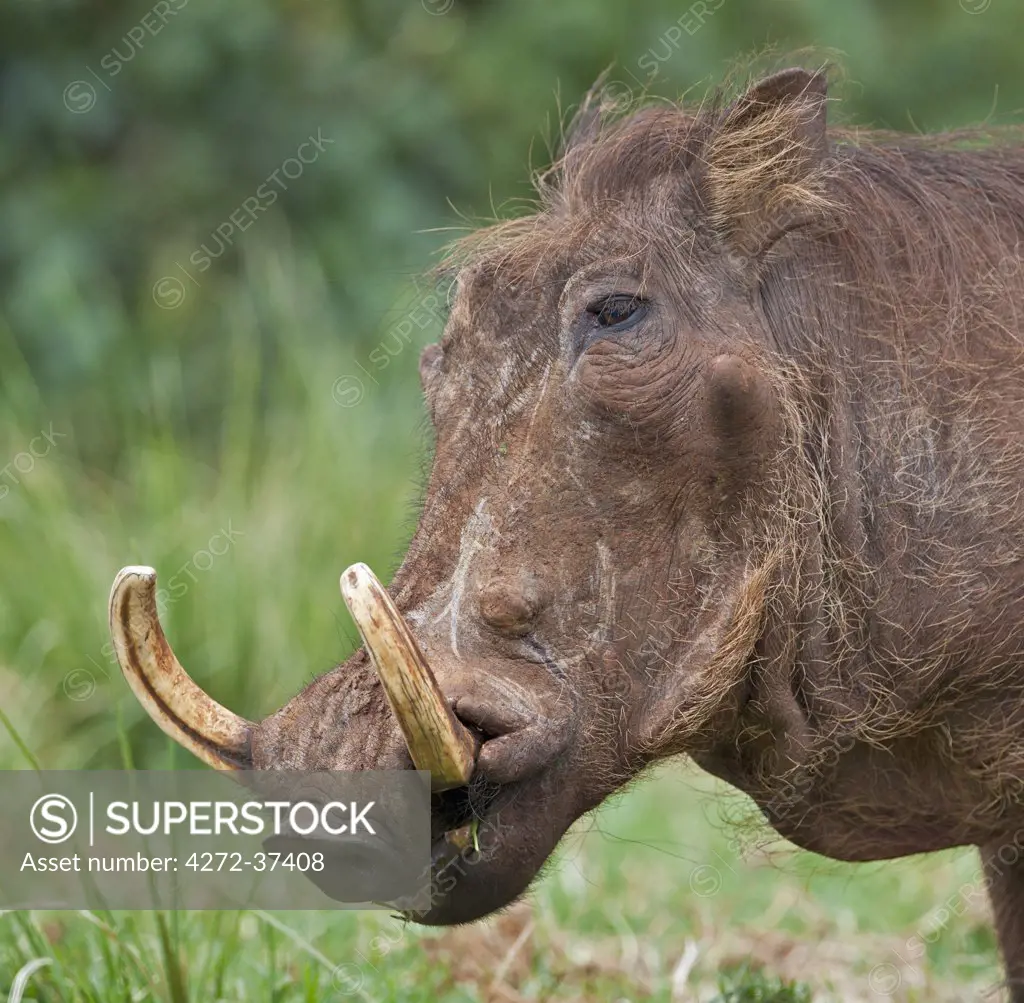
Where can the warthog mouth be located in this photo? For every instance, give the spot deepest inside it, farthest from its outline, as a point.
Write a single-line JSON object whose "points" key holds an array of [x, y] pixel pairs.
{"points": [[467, 833]]}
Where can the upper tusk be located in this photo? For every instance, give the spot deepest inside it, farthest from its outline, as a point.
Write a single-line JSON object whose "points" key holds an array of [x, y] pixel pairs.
{"points": [[437, 741], [170, 697]]}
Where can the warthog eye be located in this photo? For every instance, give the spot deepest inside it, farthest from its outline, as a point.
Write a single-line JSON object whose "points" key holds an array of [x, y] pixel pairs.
{"points": [[618, 311]]}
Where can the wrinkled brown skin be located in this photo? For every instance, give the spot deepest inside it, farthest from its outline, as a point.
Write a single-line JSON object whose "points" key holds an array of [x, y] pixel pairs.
{"points": [[775, 524]]}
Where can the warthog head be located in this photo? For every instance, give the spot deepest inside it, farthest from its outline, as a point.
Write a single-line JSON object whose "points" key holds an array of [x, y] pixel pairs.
{"points": [[609, 508]]}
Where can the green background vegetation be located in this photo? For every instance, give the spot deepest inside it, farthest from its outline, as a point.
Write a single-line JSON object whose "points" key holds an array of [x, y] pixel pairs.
{"points": [[224, 412]]}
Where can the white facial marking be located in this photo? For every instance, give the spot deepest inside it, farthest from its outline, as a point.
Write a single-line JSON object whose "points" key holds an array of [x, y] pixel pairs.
{"points": [[606, 583], [479, 527], [524, 454]]}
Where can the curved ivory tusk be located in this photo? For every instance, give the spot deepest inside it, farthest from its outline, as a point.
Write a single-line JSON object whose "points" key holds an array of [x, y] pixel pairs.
{"points": [[437, 741], [170, 697]]}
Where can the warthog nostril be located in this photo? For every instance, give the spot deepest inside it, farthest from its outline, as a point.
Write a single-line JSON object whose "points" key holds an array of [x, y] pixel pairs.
{"points": [[508, 606]]}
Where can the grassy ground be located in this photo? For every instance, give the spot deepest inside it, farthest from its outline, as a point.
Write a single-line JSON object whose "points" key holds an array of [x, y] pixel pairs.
{"points": [[659, 896], [644, 903]]}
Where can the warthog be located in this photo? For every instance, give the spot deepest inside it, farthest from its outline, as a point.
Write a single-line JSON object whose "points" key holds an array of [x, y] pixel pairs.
{"points": [[729, 462]]}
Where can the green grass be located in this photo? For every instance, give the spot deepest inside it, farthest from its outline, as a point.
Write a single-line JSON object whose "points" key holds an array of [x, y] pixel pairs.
{"points": [[614, 918], [746, 986], [660, 896]]}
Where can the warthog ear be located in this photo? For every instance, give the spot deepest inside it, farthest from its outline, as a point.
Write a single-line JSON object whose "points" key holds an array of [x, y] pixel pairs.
{"points": [[765, 161]]}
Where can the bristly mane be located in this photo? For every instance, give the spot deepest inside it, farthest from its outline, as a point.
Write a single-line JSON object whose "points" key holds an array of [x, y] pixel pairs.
{"points": [[921, 196]]}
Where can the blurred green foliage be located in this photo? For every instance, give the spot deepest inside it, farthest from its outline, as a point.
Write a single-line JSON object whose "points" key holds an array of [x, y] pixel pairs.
{"points": [[131, 132]]}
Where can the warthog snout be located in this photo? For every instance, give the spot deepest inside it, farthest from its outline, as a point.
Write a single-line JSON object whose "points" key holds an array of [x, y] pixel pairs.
{"points": [[479, 736]]}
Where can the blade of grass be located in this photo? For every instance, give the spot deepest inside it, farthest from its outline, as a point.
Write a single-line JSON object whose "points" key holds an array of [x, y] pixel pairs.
{"points": [[295, 937], [17, 739], [122, 740], [121, 938], [38, 944], [172, 963], [24, 974]]}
